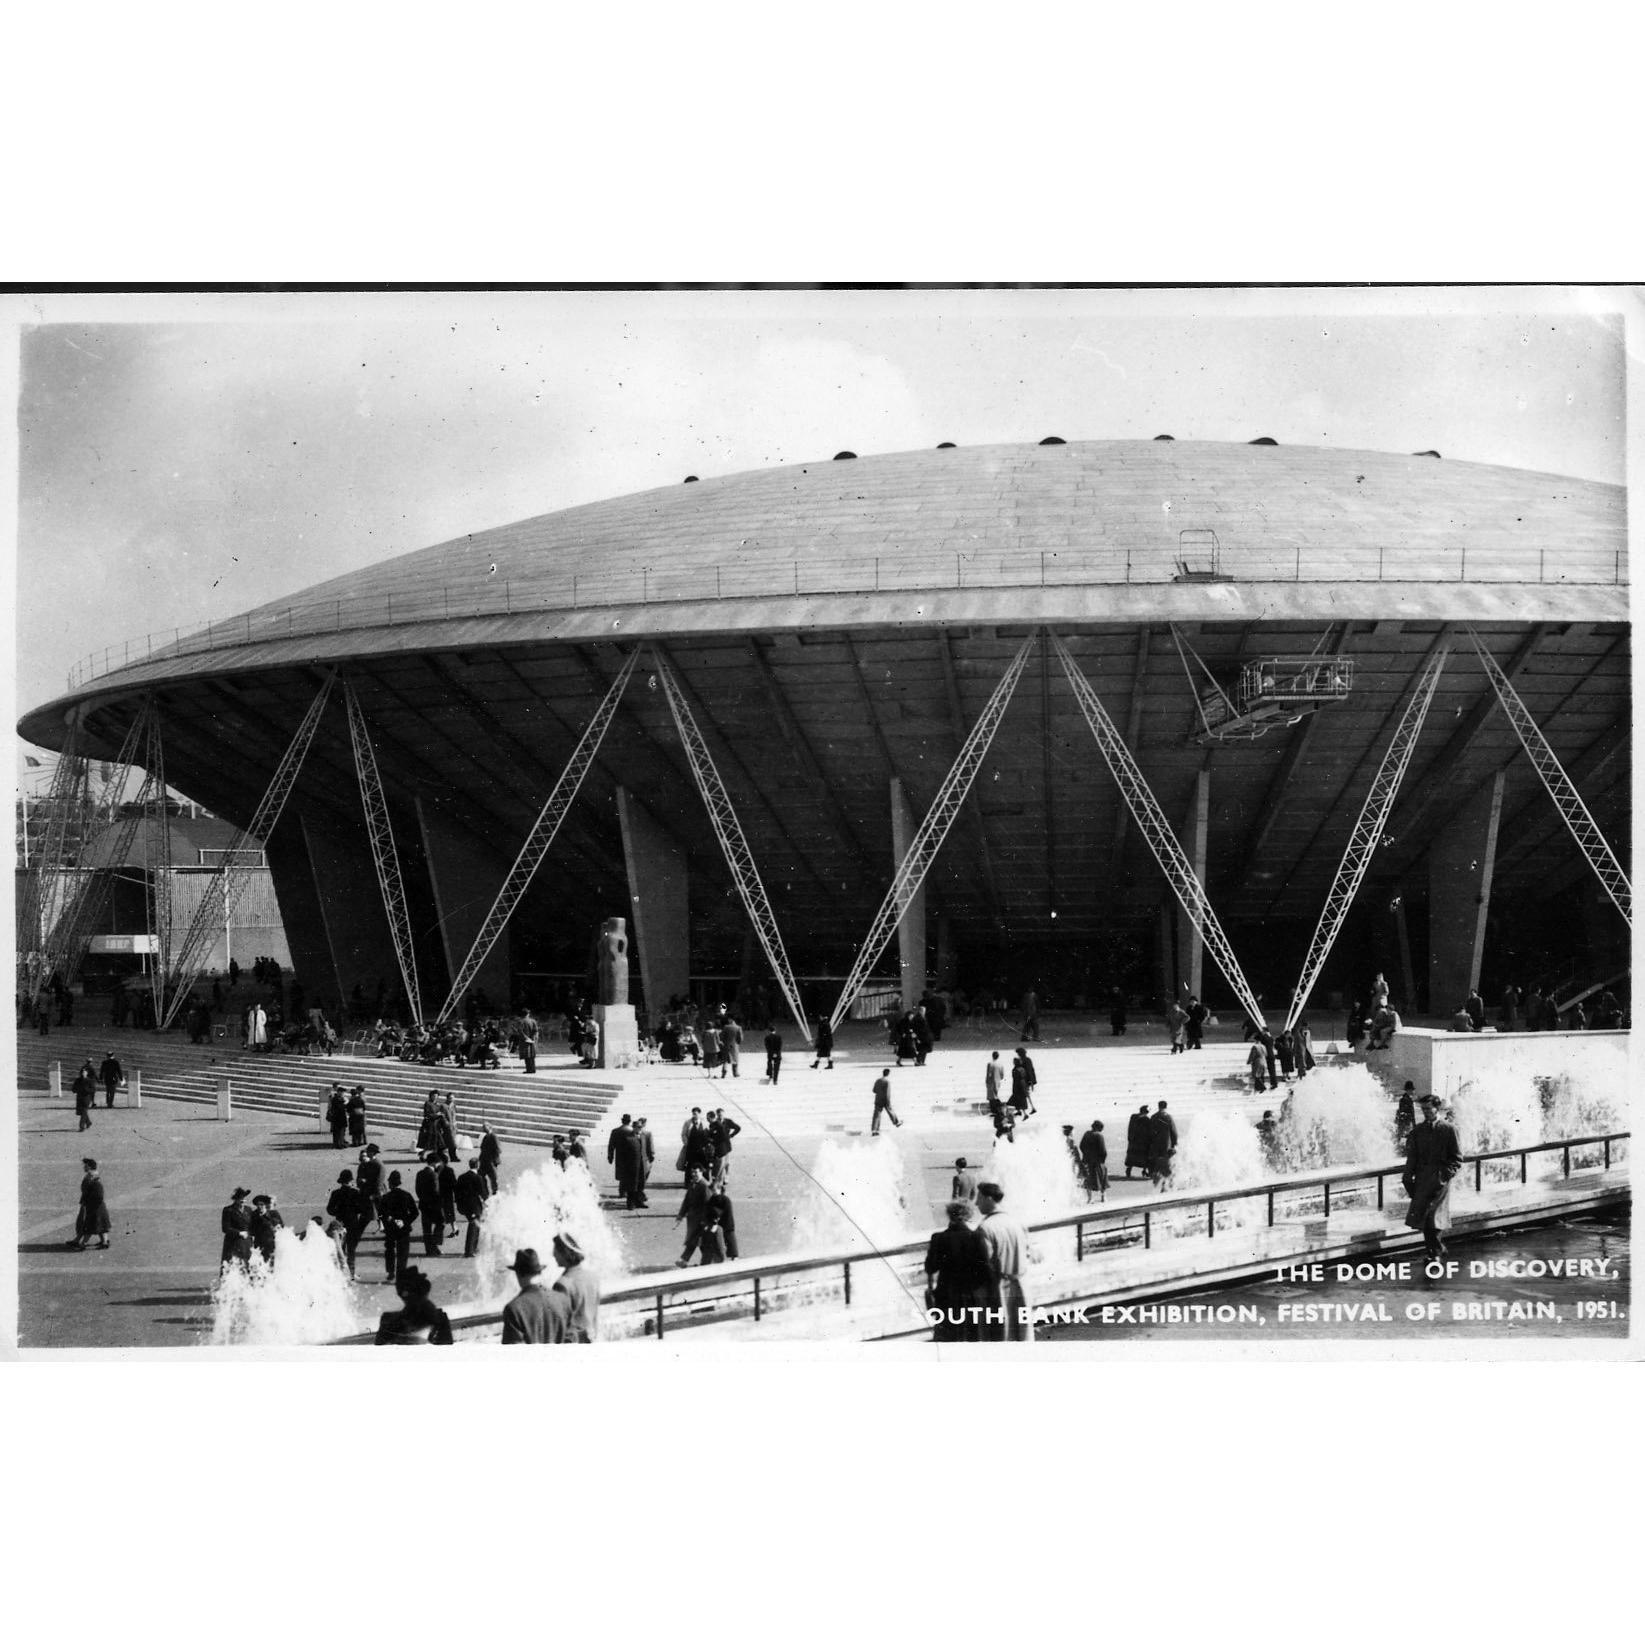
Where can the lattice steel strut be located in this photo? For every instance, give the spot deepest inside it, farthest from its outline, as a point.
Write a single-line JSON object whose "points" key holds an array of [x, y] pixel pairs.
{"points": [[1560, 787], [1157, 831], [46, 889], [227, 885], [383, 853], [66, 952], [1367, 831], [738, 857], [539, 839], [923, 848]]}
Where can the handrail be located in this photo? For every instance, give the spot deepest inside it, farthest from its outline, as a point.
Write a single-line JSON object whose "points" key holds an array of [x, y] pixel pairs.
{"points": [[845, 574], [719, 1274]]}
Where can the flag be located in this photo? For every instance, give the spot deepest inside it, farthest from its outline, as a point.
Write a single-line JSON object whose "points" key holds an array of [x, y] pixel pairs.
{"points": [[29, 759]]}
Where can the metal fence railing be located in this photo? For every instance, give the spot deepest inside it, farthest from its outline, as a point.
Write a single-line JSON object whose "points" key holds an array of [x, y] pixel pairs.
{"points": [[821, 575], [752, 1290]]}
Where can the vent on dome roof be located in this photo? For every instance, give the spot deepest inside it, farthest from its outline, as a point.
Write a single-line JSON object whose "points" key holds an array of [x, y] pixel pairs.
{"points": [[845, 456], [945, 445], [1165, 436], [1425, 454], [1262, 440], [1053, 440], [690, 479]]}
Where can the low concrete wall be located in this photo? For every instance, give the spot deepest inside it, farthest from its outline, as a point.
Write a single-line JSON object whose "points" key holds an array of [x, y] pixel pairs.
{"points": [[1438, 1061]]}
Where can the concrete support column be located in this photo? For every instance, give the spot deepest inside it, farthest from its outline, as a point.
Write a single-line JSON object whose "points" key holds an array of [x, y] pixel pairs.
{"points": [[1190, 948], [659, 885], [945, 952], [351, 909], [301, 913], [911, 928], [466, 881], [1460, 864], [1165, 957]]}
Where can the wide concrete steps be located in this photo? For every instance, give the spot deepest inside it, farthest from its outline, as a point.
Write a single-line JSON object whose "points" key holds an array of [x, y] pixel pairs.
{"points": [[1076, 1084], [524, 1108]]}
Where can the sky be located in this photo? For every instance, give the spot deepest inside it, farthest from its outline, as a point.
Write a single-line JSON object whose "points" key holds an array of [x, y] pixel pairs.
{"points": [[181, 458]]}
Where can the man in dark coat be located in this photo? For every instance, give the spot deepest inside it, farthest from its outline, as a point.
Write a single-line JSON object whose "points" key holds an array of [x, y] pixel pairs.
{"points": [[237, 1229], [1433, 1155], [352, 1209], [93, 1216], [693, 1207], [723, 1128], [630, 1165], [85, 1094], [417, 1322], [773, 1053], [922, 1036], [447, 1174], [369, 1175], [426, 1185], [618, 1156], [111, 1074], [337, 1115], [398, 1211], [491, 1155], [357, 1116], [1162, 1145], [646, 1157], [1195, 1025], [1136, 1141], [1094, 1162], [471, 1197], [719, 1202], [956, 1276], [824, 1043]]}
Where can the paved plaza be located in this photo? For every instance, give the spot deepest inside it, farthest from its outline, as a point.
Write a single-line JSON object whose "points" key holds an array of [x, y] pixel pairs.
{"points": [[170, 1166]]}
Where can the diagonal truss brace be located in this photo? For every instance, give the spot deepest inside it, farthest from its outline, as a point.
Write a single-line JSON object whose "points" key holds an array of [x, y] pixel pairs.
{"points": [[923, 848], [161, 881], [538, 840], [383, 853], [228, 884], [1560, 787], [1151, 823], [738, 857], [46, 890], [1362, 842], [66, 952]]}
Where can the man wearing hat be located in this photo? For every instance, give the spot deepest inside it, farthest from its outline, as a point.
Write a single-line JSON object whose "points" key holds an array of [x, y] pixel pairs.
{"points": [[535, 1315], [471, 1195], [370, 1177], [417, 1322], [397, 1211], [111, 1074], [579, 1286], [353, 1211], [237, 1229], [1433, 1155]]}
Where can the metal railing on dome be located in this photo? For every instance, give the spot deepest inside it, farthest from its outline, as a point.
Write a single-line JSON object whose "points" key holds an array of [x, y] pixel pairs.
{"points": [[820, 575]]}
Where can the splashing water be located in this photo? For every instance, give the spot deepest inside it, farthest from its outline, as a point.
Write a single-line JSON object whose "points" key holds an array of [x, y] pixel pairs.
{"points": [[537, 1205], [1036, 1174], [1337, 1116], [864, 1198], [305, 1297]]}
